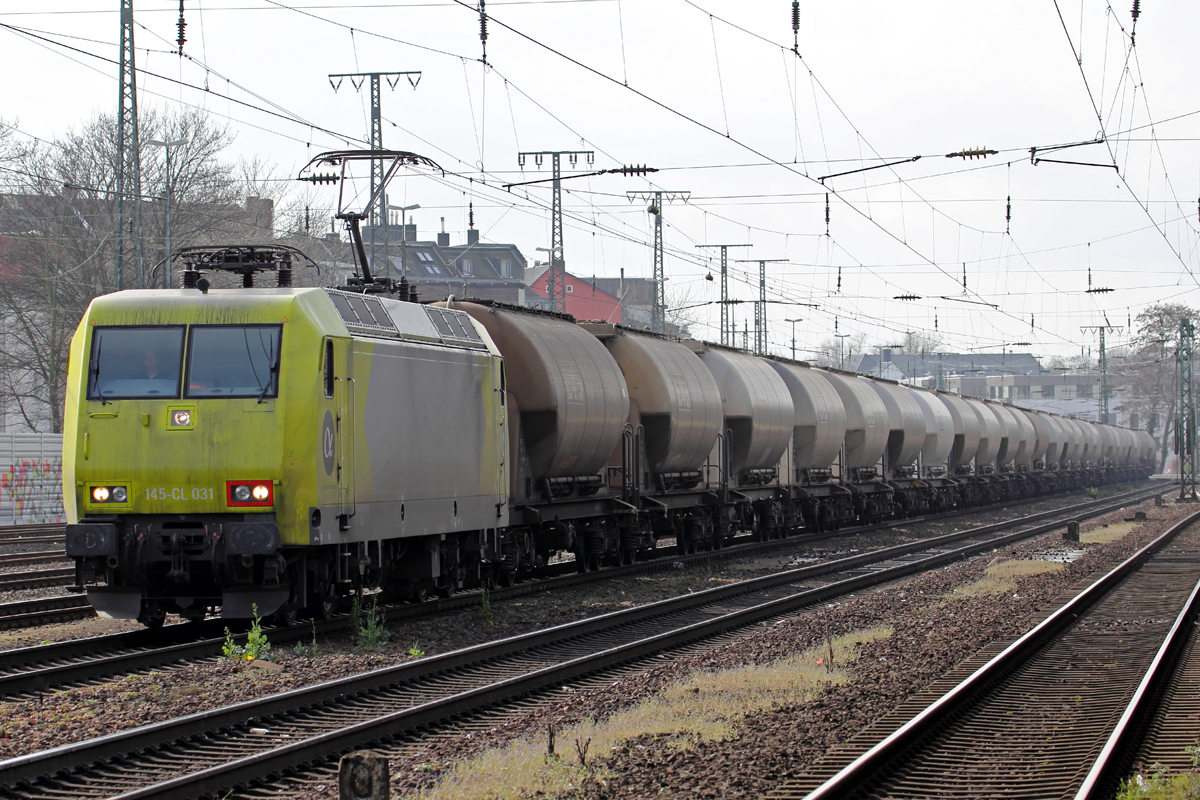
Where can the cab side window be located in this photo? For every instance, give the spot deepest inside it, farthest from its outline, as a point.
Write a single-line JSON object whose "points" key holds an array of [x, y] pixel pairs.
{"points": [[328, 368]]}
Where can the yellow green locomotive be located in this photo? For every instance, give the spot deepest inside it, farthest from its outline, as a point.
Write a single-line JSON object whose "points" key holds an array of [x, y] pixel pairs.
{"points": [[240, 449]]}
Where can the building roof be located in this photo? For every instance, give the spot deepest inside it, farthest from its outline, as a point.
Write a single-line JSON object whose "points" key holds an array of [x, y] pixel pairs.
{"points": [[916, 365]]}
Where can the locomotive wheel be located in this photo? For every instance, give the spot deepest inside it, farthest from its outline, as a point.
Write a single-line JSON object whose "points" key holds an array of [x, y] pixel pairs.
{"points": [[285, 618], [153, 620], [419, 594], [323, 606]]}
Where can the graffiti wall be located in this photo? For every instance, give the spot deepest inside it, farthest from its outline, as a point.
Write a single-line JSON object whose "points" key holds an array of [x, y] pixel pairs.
{"points": [[31, 478]]}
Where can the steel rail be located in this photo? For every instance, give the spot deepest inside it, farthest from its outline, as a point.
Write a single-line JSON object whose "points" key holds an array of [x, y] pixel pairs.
{"points": [[59, 663], [1120, 749], [43, 610], [221, 722], [13, 559], [37, 578], [856, 776]]}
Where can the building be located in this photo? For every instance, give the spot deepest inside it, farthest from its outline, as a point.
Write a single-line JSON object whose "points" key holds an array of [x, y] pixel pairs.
{"points": [[437, 268], [915, 366], [585, 299]]}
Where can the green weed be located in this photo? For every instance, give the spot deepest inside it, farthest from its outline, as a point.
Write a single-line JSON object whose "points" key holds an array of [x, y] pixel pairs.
{"points": [[369, 625], [256, 648]]}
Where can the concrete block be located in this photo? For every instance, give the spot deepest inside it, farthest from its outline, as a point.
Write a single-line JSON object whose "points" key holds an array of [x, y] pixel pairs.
{"points": [[364, 775]]}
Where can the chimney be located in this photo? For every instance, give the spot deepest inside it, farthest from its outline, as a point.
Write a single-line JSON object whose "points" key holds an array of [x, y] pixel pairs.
{"points": [[443, 237], [887, 356], [410, 231], [472, 236]]}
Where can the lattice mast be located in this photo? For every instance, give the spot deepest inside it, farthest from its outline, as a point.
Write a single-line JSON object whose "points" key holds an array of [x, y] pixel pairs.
{"points": [[1104, 392], [556, 276], [357, 79], [658, 311], [760, 305], [727, 332], [129, 161], [1185, 430]]}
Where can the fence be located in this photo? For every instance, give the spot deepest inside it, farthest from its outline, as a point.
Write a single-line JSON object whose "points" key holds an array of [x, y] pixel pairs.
{"points": [[31, 478]]}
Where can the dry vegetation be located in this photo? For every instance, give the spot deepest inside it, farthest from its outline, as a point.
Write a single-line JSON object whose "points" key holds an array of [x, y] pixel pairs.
{"points": [[704, 707], [1001, 577]]}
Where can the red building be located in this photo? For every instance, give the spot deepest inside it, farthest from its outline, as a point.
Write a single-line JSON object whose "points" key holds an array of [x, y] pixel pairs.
{"points": [[584, 300]]}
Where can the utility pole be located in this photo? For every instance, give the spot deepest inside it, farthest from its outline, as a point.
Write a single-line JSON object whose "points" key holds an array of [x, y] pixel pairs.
{"points": [[727, 332], [556, 288], [1103, 406], [841, 353], [129, 160], [794, 321], [658, 312], [1185, 428], [760, 305], [357, 79]]}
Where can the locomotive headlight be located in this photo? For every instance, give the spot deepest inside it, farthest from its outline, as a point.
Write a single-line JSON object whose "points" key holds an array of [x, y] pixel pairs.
{"points": [[251, 493], [181, 419], [100, 494], [119, 494]]}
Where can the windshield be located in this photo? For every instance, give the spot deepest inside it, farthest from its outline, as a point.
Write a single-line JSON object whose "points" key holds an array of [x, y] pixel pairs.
{"points": [[135, 362], [233, 361]]}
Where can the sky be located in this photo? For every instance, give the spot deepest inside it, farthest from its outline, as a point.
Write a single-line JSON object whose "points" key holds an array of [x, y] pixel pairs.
{"points": [[713, 95]]}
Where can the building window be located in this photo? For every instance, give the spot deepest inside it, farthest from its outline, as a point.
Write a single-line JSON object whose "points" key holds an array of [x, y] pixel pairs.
{"points": [[505, 268], [1024, 392], [570, 288], [1048, 391], [426, 257], [1083, 390], [433, 269], [467, 266], [991, 392]]}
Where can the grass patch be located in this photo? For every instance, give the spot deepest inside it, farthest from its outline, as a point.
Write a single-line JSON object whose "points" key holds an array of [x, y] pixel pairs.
{"points": [[1106, 533], [707, 706], [1161, 785], [1002, 578]]}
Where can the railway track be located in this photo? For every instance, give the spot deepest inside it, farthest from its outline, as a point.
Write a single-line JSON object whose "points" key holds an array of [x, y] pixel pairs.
{"points": [[1030, 722], [51, 531], [42, 611], [207, 753], [1158, 726], [78, 661], [37, 578], [37, 557]]}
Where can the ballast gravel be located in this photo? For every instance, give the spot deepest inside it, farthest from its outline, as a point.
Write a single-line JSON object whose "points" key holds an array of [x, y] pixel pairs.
{"points": [[931, 635]]}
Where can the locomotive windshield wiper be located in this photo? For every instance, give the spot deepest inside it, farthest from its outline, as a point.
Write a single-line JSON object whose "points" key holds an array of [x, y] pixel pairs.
{"points": [[94, 371], [272, 371]]}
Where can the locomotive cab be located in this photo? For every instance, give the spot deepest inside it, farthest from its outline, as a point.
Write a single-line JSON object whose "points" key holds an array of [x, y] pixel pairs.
{"points": [[177, 472]]}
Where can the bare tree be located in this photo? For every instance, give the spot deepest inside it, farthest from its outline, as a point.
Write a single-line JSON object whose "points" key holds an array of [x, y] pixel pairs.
{"points": [[919, 343], [57, 245], [1152, 366], [841, 352]]}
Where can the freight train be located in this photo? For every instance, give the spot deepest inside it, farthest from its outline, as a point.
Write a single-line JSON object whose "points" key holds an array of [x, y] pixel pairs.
{"points": [[271, 450]]}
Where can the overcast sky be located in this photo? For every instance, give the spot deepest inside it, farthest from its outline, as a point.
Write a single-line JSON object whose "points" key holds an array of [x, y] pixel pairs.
{"points": [[711, 94]]}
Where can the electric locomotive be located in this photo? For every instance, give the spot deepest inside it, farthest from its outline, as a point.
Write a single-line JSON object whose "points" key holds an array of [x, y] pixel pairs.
{"points": [[247, 449]]}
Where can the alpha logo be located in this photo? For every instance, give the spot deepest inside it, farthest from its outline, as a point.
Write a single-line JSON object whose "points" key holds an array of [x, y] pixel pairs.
{"points": [[327, 443]]}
